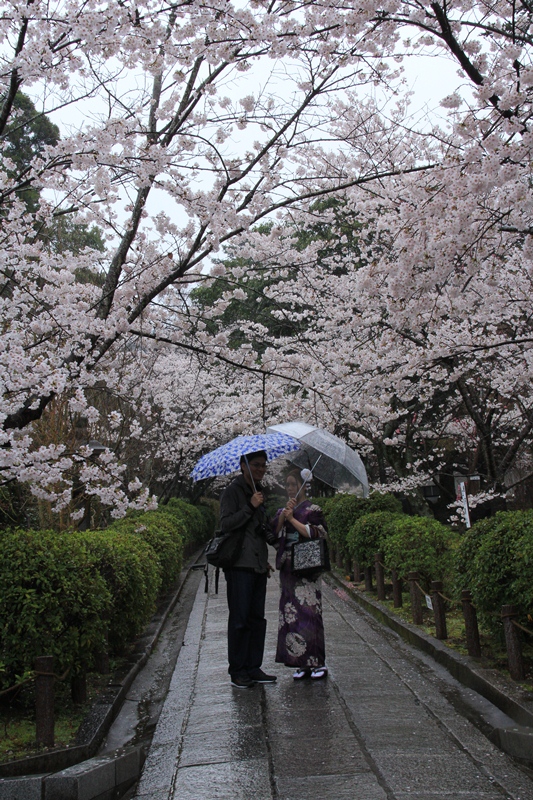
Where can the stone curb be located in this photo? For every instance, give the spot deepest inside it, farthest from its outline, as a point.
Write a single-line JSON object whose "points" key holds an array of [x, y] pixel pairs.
{"points": [[77, 773], [516, 741], [103, 777]]}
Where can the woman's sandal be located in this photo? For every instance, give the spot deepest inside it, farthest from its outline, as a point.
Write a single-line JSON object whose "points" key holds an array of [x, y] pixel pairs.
{"points": [[319, 672], [300, 674]]}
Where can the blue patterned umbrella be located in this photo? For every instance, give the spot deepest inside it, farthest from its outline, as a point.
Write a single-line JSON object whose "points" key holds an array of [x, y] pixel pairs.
{"points": [[225, 459]]}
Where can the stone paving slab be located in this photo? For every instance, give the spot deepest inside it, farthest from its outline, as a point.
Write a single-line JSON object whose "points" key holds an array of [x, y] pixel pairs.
{"points": [[232, 743], [331, 787], [380, 728], [235, 780]]}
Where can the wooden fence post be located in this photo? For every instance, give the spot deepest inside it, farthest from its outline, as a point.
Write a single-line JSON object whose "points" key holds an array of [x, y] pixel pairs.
{"points": [[396, 589], [513, 644], [380, 575], [356, 571], [416, 599], [44, 700], [471, 627], [437, 600]]}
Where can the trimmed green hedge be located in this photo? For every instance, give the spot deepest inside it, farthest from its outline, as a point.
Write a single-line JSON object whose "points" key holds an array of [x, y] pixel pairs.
{"points": [[199, 521], [409, 544], [164, 533], [343, 510], [421, 544], [132, 575], [53, 599], [61, 593], [210, 520], [367, 535], [495, 562], [274, 501]]}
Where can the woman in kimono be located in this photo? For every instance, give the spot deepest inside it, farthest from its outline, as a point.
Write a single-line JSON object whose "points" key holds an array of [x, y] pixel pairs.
{"points": [[301, 629]]}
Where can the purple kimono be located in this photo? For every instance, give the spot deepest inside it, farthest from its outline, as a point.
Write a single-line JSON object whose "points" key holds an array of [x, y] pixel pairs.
{"points": [[300, 628]]}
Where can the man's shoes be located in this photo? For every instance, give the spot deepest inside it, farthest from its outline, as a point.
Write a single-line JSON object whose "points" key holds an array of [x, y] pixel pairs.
{"points": [[258, 676], [301, 673], [319, 672], [242, 681]]}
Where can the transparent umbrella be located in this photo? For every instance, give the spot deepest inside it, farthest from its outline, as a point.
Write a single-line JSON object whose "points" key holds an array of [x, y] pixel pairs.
{"points": [[331, 459]]}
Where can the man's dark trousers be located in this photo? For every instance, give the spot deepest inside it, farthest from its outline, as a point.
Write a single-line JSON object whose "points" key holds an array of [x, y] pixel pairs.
{"points": [[246, 624]]}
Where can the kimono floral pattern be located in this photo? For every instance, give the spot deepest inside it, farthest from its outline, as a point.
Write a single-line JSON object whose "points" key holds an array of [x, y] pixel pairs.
{"points": [[306, 594], [301, 629]]}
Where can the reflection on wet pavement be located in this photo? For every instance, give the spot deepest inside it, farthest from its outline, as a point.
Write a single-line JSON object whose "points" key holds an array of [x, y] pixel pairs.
{"points": [[379, 728]]}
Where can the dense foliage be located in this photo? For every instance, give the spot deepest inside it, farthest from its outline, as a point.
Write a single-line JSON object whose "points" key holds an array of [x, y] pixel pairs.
{"points": [[423, 545], [367, 535], [495, 561], [361, 528], [163, 533], [53, 601], [65, 594], [199, 521], [343, 510], [130, 569]]}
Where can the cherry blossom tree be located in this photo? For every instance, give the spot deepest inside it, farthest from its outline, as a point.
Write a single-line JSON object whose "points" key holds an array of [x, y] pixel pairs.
{"points": [[183, 128], [420, 347]]}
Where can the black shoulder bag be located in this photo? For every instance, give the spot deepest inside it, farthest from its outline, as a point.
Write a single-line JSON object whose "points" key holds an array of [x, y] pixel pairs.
{"points": [[222, 551], [224, 548]]}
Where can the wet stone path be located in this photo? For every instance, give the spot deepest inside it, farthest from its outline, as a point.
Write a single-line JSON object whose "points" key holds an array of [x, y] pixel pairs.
{"points": [[379, 728]]}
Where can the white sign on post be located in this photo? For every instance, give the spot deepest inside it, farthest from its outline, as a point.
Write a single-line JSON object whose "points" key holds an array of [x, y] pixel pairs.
{"points": [[464, 498], [429, 602]]}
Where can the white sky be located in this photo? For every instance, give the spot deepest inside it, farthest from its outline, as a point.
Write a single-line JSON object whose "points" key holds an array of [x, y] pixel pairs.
{"points": [[432, 78]]}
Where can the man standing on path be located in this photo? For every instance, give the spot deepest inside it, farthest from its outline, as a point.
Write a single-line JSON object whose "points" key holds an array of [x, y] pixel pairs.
{"points": [[242, 510]]}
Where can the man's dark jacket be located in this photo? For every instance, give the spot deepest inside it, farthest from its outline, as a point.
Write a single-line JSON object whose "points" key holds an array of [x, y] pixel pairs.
{"points": [[236, 513]]}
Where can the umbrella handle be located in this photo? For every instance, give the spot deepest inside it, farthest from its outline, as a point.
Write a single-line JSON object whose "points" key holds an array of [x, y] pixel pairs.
{"points": [[250, 473], [312, 468]]}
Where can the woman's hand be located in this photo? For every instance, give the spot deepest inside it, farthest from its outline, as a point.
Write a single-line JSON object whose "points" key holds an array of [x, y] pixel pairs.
{"points": [[289, 508]]}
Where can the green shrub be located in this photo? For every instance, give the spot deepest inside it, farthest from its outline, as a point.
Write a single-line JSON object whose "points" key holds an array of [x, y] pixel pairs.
{"points": [[188, 515], [421, 544], [210, 520], [162, 532], [173, 522], [343, 510], [367, 535], [325, 503], [213, 504], [53, 601], [495, 562], [131, 572], [199, 521], [275, 501]]}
